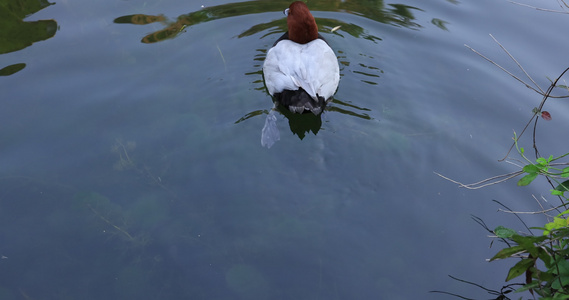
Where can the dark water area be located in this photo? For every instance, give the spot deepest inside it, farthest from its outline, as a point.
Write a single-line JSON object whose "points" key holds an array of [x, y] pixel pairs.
{"points": [[131, 165]]}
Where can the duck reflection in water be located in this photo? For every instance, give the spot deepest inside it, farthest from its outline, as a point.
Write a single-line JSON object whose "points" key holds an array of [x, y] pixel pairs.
{"points": [[299, 125]]}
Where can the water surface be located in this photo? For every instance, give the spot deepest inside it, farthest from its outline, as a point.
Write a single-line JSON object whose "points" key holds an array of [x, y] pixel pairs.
{"points": [[131, 163]]}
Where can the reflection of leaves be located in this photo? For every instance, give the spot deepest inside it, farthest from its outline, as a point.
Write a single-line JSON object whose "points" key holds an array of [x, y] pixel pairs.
{"points": [[403, 15], [11, 69], [397, 14], [17, 34], [139, 19], [324, 25], [252, 114], [348, 112], [23, 8], [440, 23]]}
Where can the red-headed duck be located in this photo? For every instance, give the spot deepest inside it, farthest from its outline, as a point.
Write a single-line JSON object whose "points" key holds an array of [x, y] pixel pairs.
{"points": [[301, 71]]}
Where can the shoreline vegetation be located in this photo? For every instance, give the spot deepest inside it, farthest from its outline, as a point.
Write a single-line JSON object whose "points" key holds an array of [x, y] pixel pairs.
{"points": [[539, 255]]}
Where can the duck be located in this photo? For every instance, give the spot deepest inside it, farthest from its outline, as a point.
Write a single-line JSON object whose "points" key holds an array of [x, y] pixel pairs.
{"points": [[301, 71]]}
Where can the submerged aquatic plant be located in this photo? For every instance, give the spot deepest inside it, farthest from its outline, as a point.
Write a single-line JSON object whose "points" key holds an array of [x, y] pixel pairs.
{"points": [[126, 161], [122, 149], [112, 216]]}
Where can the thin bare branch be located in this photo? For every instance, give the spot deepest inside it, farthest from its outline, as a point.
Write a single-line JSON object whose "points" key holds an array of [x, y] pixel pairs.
{"points": [[517, 63], [484, 183], [541, 9], [503, 69], [525, 225], [539, 203], [531, 212], [538, 90]]}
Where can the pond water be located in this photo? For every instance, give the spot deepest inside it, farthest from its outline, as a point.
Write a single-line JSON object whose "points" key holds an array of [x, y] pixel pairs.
{"points": [[131, 165]]}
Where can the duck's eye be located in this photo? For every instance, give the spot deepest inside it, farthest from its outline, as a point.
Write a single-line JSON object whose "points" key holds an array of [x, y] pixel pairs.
{"points": [[285, 12]]}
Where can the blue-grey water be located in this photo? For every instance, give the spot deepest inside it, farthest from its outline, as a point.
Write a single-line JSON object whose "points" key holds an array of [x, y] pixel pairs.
{"points": [[131, 165]]}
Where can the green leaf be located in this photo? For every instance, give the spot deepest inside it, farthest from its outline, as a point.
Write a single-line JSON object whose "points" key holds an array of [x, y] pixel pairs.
{"points": [[522, 150], [528, 238], [527, 179], [565, 172], [563, 213], [503, 232], [528, 243], [556, 224], [530, 169], [521, 267], [563, 187], [564, 281], [556, 193], [507, 252], [563, 267], [532, 285], [542, 161], [545, 257]]}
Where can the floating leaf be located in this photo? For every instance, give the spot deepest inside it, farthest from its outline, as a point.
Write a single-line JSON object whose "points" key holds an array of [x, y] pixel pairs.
{"points": [[546, 115]]}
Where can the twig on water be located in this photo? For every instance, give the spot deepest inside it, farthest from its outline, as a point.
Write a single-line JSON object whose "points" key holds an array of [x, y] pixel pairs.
{"points": [[486, 182], [544, 9], [543, 211]]}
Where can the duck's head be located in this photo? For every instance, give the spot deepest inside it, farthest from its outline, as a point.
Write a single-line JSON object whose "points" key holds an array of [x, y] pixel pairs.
{"points": [[301, 24]]}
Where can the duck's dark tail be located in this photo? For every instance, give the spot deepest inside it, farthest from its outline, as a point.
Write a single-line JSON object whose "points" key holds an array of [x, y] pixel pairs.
{"points": [[300, 101]]}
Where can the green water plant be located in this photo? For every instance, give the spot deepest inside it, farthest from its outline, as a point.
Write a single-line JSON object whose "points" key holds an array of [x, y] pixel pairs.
{"points": [[551, 167], [542, 258]]}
